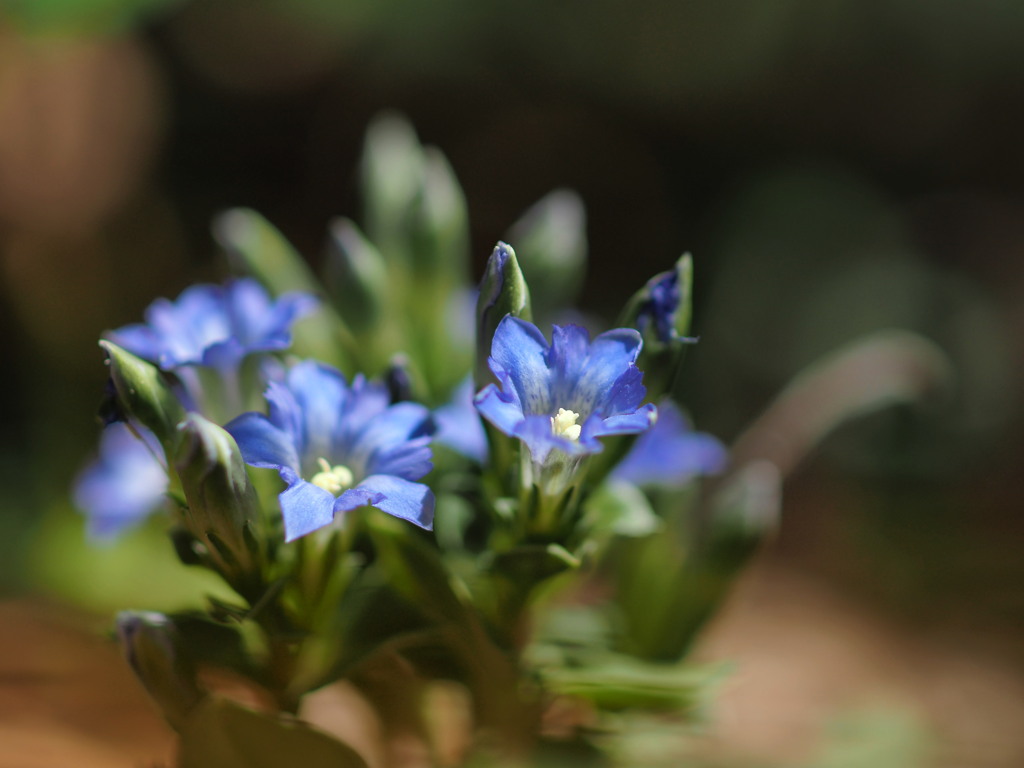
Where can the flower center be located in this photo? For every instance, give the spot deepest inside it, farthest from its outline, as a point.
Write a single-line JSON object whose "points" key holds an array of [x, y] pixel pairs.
{"points": [[334, 479], [563, 424]]}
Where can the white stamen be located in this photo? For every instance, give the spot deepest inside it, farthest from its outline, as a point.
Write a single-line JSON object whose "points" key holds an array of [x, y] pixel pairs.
{"points": [[334, 479], [563, 424]]}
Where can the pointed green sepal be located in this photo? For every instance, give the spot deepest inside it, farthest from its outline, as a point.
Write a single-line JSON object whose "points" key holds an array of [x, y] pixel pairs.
{"points": [[143, 393], [684, 314], [222, 502], [552, 241], [503, 291]]}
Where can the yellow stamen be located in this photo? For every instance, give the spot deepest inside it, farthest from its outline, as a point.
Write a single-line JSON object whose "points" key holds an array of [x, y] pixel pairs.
{"points": [[563, 424], [334, 479]]}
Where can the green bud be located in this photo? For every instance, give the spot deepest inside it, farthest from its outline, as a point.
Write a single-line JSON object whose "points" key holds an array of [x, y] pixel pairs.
{"points": [[356, 276], [223, 508], [503, 291], [661, 311], [552, 241], [152, 646], [143, 393]]}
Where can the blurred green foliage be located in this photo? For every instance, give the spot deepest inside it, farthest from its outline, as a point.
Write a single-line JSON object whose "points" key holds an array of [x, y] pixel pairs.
{"points": [[81, 17]]}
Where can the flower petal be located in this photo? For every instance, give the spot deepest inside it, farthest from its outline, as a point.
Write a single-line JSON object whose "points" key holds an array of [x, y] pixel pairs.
{"points": [[384, 439], [401, 498], [499, 408], [621, 424], [519, 354], [305, 508], [459, 427], [123, 486], [214, 325], [410, 459], [567, 359], [320, 394], [601, 389], [264, 445], [671, 453]]}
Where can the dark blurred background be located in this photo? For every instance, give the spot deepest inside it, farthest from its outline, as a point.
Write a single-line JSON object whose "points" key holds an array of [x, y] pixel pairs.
{"points": [[834, 166]]}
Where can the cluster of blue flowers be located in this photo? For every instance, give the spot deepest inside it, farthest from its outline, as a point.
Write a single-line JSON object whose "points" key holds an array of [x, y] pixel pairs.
{"points": [[339, 445], [328, 447]]}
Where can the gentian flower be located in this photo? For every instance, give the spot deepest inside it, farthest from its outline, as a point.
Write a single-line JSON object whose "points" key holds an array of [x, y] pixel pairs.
{"points": [[459, 426], [214, 325], [565, 395], [125, 483], [339, 447], [671, 453]]}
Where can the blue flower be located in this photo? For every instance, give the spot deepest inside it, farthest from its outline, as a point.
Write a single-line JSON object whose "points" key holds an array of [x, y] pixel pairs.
{"points": [[565, 395], [214, 325], [459, 426], [661, 306], [670, 454], [339, 447], [125, 483]]}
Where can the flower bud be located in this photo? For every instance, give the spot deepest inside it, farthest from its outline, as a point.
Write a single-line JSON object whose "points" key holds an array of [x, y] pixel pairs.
{"points": [[222, 505], [151, 645], [661, 311], [142, 393], [503, 291]]}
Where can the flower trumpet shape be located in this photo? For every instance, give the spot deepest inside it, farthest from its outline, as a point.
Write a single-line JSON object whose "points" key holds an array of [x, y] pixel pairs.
{"points": [[565, 395], [124, 484], [214, 325], [671, 453], [339, 447]]}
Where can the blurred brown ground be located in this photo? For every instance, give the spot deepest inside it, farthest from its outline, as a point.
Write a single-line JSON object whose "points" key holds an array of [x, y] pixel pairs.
{"points": [[803, 651]]}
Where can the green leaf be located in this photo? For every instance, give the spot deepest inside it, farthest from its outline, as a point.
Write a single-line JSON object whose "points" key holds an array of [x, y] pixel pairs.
{"points": [[867, 375], [208, 642], [144, 394], [414, 569], [551, 241], [440, 225], [356, 276], [614, 682], [222, 734], [392, 173], [533, 563], [260, 249], [621, 509], [671, 585]]}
